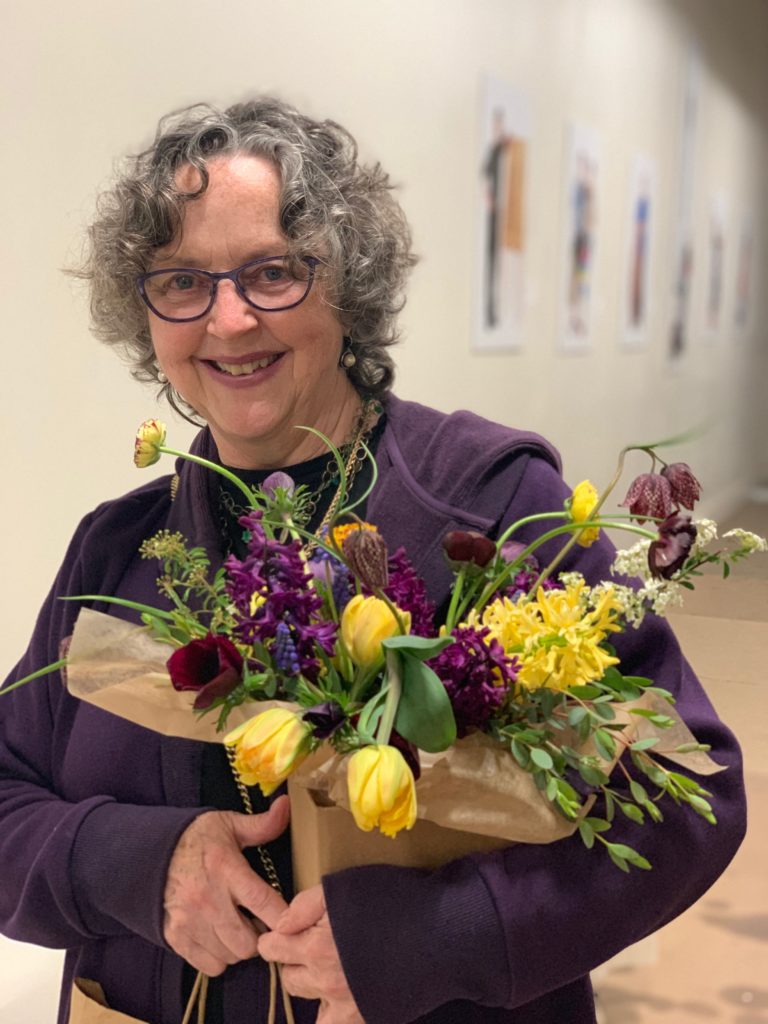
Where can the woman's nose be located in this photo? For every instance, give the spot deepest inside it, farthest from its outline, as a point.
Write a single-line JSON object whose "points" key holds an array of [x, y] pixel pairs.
{"points": [[230, 315]]}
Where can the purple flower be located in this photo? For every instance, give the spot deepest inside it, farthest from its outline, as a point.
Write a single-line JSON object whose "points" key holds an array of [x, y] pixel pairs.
{"points": [[463, 546], [326, 718], [649, 497], [333, 574], [271, 590], [407, 590], [522, 582], [477, 674], [512, 549], [686, 489], [212, 666], [278, 479], [669, 553]]}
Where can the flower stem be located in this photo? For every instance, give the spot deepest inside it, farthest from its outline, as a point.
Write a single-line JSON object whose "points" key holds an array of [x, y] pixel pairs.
{"points": [[221, 470], [35, 675], [392, 700]]}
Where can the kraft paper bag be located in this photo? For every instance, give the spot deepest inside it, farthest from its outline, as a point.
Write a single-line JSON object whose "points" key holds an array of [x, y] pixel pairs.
{"points": [[89, 1006]]}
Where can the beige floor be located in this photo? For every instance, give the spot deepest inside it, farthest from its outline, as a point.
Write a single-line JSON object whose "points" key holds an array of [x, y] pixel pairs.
{"points": [[710, 966]]}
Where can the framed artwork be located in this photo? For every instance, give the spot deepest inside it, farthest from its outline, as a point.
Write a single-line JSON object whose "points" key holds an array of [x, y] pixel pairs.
{"points": [[502, 171], [582, 166], [641, 215]]}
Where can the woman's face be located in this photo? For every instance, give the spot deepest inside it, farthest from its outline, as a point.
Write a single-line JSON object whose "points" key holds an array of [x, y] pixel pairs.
{"points": [[292, 377]]}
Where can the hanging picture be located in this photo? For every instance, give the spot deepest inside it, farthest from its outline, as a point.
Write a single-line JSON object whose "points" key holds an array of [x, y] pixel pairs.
{"points": [[502, 170], [745, 260], [636, 290], [579, 238], [683, 215], [715, 266]]}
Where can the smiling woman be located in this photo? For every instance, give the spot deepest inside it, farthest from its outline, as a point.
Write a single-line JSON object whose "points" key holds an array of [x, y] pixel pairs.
{"points": [[253, 269]]}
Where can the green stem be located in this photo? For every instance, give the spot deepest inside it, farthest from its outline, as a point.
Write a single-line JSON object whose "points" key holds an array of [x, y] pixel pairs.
{"points": [[35, 675], [395, 681], [523, 522], [221, 470], [124, 602], [458, 586]]}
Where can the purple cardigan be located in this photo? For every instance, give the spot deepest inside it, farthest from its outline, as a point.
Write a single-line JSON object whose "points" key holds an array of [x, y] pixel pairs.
{"points": [[91, 807]]}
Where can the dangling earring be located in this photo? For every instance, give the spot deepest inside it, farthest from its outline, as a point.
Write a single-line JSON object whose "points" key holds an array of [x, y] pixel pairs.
{"points": [[348, 357]]}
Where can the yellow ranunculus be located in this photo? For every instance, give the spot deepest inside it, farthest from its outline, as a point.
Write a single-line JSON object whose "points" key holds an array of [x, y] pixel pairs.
{"points": [[365, 622], [381, 790], [583, 501], [149, 437], [269, 746]]}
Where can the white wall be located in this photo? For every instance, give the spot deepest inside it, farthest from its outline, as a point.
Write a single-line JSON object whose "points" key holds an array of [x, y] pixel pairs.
{"points": [[85, 81]]}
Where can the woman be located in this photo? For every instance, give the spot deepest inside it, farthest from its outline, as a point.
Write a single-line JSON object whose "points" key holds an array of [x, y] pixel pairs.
{"points": [[253, 269]]}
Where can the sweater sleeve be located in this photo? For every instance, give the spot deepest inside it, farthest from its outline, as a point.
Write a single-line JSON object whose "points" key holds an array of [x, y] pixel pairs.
{"points": [[73, 869], [505, 928]]}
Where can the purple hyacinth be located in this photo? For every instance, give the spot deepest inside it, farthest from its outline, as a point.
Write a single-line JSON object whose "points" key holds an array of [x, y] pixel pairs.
{"points": [[521, 583], [477, 674], [271, 590], [407, 590], [284, 650], [332, 573]]}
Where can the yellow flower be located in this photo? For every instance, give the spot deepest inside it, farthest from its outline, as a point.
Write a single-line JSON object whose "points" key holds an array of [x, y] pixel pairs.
{"points": [[149, 437], [556, 637], [365, 622], [269, 746], [381, 790], [583, 501]]}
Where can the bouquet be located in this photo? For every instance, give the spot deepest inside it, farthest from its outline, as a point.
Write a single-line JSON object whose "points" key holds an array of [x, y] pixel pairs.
{"points": [[329, 646]]}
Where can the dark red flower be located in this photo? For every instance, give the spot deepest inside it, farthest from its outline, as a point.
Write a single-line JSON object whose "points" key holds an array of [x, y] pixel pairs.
{"points": [[668, 554], [650, 497], [468, 546], [212, 666], [366, 555], [686, 489]]}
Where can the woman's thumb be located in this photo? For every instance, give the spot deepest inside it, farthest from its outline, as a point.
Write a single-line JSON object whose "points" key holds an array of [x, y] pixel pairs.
{"points": [[254, 829]]}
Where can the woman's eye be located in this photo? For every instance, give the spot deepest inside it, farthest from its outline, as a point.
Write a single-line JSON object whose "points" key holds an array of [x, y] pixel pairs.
{"points": [[183, 282]]}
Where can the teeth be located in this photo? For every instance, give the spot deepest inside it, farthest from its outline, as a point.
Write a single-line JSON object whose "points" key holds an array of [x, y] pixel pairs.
{"points": [[239, 369]]}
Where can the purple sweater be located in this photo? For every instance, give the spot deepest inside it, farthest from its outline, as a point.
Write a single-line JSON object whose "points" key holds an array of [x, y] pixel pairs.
{"points": [[91, 807]]}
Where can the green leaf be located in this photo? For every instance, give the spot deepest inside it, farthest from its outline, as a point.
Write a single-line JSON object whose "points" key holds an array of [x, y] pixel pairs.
{"points": [[605, 743], [649, 741], [424, 713], [585, 692], [640, 681], [592, 776], [628, 854], [552, 789], [587, 834], [604, 711], [520, 754], [618, 861], [541, 758], [421, 647], [598, 824], [633, 812], [639, 793], [576, 715]]}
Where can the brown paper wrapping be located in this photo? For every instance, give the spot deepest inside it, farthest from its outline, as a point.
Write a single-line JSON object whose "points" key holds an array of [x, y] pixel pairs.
{"points": [[472, 797], [89, 1006]]}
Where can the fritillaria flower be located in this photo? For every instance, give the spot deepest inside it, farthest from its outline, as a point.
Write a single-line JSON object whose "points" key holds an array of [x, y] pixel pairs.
{"points": [[149, 438], [468, 546], [668, 553], [650, 497], [366, 555], [278, 479], [686, 489]]}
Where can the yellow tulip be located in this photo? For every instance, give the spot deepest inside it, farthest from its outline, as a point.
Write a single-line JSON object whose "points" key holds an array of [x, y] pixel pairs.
{"points": [[583, 501], [365, 622], [149, 437], [269, 746], [381, 790]]}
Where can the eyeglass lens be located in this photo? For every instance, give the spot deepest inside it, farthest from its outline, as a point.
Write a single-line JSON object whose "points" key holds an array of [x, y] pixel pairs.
{"points": [[271, 284]]}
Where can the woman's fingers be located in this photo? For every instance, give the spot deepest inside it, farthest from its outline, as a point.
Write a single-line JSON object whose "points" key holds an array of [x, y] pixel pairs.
{"points": [[209, 878], [305, 910]]}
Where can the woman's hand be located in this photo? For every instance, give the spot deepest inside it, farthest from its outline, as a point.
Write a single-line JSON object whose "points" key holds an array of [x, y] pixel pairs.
{"points": [[302, 941], [209, 879]]}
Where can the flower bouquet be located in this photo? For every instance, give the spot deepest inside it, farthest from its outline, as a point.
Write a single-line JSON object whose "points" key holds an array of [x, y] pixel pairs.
{"points": [[508, 720]]}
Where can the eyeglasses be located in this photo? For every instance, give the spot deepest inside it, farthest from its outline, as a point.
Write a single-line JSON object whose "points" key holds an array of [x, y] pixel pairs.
{"points": [[273, 283]]}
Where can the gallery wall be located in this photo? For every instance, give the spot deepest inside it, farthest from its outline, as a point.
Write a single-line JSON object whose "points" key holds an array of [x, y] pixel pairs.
{"points": [[85, 82]]}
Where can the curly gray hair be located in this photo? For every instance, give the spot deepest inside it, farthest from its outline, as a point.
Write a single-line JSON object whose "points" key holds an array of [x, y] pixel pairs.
{"points": [[330, 204]]}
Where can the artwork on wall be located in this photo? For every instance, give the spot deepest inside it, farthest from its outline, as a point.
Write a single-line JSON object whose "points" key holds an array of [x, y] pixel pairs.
{"points": [[715, 265], [683, 218], [579, 238], [745, 271], [636, 281], [502, 169]]}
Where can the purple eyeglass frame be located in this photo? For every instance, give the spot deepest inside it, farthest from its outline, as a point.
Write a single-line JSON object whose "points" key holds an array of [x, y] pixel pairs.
{"points": [[225, 275]]}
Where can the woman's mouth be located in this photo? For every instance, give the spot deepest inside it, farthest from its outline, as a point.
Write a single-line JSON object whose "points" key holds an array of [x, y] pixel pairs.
{"points": [[241, 369]]}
